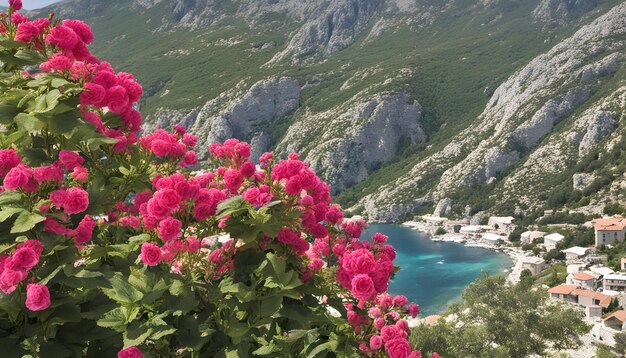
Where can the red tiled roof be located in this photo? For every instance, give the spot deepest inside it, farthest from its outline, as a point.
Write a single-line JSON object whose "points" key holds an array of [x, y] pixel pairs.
{"points": [[616, 223], [620, 315], [605, 300], [562, 289], [583, 276]]}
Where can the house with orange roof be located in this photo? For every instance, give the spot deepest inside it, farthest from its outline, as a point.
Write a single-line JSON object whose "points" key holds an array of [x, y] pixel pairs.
{"points": [[581, 297], [609, 230], [585, 280], [616, 320]]}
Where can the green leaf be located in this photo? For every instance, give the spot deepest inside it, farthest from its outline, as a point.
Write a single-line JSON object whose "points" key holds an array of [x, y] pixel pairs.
{"points": [[26, 221], [122, 291], [266, 350], [10, 197], [29, 122], [8, 212], [113, 319]]}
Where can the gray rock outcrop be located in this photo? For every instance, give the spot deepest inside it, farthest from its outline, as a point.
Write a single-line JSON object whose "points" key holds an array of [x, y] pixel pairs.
{"points": [[600, 126], [562, 11], [247, 117], [604, 67], [582, 180], [443, 208]]}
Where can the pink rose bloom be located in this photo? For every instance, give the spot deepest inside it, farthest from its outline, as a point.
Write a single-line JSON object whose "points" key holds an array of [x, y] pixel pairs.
{"points": [[58, 197], [130, 352], [193, 244], [416, 354], [400, 301], [150, 254], [161, 147], [51, 225], [26, 31], [76, 201], [81, 29], [190, 140], [379, 323], [9, 279], [168, 198], [376, 342], [23, 259], [80, 174], [15, 4], [37, 297], [316, 264], [85, 228], [62, 37], [17, 177], [18, 18], [189, 159], [59, 62], [132, 118], [117, 99], [49, 173], [362, 287], [293, 186], [374, 312], [34, 245], [266, 158], [93, 94], [360, 261], [247, 169], [379, 238], [169, 228], [389, 333], [414, 309], [233, 179], [131, 221], [8, 159], [434, 355], [243, 149], [398, 348], [71, 159], [41, 23]]}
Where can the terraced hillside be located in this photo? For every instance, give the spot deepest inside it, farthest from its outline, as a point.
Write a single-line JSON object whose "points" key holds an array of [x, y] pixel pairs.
{"points": [[506, 106]]}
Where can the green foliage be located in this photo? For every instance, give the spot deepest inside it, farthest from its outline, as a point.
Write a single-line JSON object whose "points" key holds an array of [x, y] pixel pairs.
{"points": [[499, 321], [554, 255], [440, 231]]}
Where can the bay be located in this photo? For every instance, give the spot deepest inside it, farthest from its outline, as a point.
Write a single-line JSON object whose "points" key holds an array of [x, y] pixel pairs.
{"points": [[433, 274]]}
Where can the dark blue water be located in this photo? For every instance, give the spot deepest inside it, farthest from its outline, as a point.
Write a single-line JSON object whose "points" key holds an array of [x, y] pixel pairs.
{"points": [[434, 274]]}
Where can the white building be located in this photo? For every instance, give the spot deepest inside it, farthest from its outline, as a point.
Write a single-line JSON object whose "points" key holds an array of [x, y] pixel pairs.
{"points": [[502, 223], [576, 252], [614, 282], [534, 264], [492, 239], [585, 280], [550, 241], [527, 237], [609, 230]]}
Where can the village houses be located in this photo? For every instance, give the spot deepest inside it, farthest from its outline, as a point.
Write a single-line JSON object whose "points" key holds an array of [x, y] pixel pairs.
{"points": [[534, 264], [609, 230], [585, 280], [550, 241], [614, 282], [528, 237]]}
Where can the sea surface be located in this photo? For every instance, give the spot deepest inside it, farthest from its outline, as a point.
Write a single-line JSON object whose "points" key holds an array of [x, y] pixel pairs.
{"points": [[433, 274]]}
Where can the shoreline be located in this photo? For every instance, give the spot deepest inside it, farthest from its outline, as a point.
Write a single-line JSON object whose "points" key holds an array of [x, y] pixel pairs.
{"points": [[515, 254]]}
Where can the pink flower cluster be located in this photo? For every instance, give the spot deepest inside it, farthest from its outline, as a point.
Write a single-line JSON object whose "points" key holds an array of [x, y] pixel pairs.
{"points": [[14, 269], [178, 145]]}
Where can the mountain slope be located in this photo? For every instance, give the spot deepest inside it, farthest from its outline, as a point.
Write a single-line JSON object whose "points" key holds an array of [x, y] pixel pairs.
{"points": [[398, 104]]}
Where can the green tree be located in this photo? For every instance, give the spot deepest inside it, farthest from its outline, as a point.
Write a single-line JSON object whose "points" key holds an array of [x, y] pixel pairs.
{"points": [[440, 231], [496, 320]]}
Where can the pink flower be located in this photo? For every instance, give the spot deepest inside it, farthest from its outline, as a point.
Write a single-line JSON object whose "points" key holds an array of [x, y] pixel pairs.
{"points": [[71, 159], [76, 201], [18, 18], [376, 342], [131, 221], [9, 279], [416, 354], [84, 231], [193, 244], [117, 99], [414, 309], [62, 37], [150, 254], [190, 140], [37, 297], [189, 159], [130, 352], [167, 198], [233, 179], [23, 259], [8, 159], [80, 174], [81, 29], [58, 62], [26, 31], [58, 197], [362, 287], [379, 323], [360, 261], [434, 355], [398, 348], [389, 333], [34, 245], [247, 169], [161, 147], [169, 228], [266, 158], [400, 301], [316, 264], [93, 94], [51, 225], [17, 177], [15, 4]]}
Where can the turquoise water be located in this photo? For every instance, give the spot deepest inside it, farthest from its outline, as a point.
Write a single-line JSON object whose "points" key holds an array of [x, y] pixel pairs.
{"points": [[434, 274]]}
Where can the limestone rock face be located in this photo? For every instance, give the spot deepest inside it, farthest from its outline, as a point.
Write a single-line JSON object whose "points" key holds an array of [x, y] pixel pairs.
{"points": [[561, 11], [247, 117], [332, 28], [443, 208], [581, 180], [360, 139], [601, 125], [604, 67]]}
